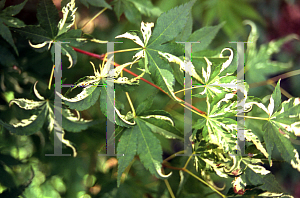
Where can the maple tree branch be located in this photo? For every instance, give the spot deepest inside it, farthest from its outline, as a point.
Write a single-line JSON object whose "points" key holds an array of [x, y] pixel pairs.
{"points": [[172, 156], [189, 159], [204, 182], [101, 57], [98, 14], [171, 167], [276, 78], [195, 176], [168, 186], [51, 76]]}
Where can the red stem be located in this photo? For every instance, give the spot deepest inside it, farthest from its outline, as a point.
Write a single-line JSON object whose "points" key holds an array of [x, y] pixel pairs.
{"points": [[172, 167], [101, 57]]}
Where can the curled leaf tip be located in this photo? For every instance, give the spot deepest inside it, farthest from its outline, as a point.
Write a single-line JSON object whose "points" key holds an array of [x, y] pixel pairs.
{"points": [[37, 94], [163, 176], [37, 46]]}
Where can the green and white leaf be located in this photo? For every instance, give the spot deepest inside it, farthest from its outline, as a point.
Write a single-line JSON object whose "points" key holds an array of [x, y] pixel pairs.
{"points": [[162, 125], [27, 104], [258, 175], [121, 120], [28, 126], [168, 26], [73, 124], [52, 29], [84, 99], [68, 18], [282, 126], [218, 126], [251, 137]]}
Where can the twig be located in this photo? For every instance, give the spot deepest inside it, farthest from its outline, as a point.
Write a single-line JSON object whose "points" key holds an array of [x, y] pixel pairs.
{"points": [[101, 57]]}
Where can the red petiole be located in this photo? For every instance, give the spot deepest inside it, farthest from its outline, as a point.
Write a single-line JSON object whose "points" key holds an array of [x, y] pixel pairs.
{"points": [[101, 57]]}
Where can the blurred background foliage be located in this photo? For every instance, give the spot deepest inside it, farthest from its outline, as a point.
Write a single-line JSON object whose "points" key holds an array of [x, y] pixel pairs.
{"points": [[22, 158]]}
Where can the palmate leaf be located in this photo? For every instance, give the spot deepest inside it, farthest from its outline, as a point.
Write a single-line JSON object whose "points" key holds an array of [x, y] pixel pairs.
{"points": [[216, 72], [93, 85], [52, 29], [158, 45], [7, 20], [45, 110], [282, 125], [256, 174], [45, 115], [140, 140], [258, 61], [168, 26], [216, 78], [212, 77], [218, 126]]}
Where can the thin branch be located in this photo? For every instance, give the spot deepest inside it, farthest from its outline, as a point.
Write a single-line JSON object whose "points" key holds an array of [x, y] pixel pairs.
{"points": [[204, 182], [283, 91], [187, 162], [94, 18], [169, 188], [250, 117], [51, 76], [101, 57], [276, 78], [125, 50], [172, 156], [190, 88]]}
